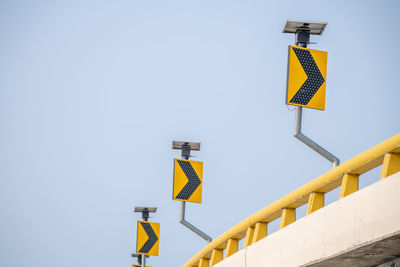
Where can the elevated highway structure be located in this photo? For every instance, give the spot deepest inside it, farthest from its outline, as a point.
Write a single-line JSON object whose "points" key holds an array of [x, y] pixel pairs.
{"points": [[361, 228]]}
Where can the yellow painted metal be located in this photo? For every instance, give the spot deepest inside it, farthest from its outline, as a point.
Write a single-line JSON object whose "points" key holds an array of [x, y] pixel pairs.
{"points": [[297, 77], [180, 181], [204, 262], [139, 265], [216, 256], [288, 217], [391, 164], [249, 236], [349, 185], [260, 231], [232, 247], [315, 202], [331, 179], [142, 238]]}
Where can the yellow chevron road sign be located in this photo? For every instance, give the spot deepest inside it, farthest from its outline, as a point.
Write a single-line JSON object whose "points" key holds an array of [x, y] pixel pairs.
{"points": [[306, 82], [188, 180], [148, 234]]}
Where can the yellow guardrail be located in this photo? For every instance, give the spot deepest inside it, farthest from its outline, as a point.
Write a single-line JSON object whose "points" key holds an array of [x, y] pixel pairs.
{"points": [[345, 175]]}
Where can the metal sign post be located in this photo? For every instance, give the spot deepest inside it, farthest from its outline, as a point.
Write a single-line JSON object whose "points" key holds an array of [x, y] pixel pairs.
{"points": [[151, 235], [193, 184], [139, 258], [314, 81]]}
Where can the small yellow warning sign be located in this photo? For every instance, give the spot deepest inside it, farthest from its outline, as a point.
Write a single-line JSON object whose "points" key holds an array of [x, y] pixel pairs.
{"points": [[148, 234]]}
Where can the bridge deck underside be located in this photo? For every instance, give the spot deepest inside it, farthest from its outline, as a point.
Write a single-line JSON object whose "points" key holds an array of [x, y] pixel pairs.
{"points": [[372, 254]]}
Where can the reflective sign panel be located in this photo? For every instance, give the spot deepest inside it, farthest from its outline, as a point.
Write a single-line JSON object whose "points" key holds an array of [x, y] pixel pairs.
{"points": [[148, 234], [188, 179], [306, 83]]}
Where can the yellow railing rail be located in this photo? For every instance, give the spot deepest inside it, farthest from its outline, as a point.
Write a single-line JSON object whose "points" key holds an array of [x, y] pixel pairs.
{"points": [[345, 175]]}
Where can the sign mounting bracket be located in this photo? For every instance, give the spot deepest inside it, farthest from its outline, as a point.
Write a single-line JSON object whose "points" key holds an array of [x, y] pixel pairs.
{"points": [[302, 31], [185, 148]]}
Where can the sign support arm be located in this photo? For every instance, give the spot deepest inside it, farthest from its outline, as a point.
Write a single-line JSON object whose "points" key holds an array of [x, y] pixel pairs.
{"points": [[302, 39], [310, 143], [191, 226], [185, 153]]}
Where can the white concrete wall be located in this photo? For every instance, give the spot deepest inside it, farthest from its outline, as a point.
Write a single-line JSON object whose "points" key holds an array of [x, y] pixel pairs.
{"points": [[366, 216]]}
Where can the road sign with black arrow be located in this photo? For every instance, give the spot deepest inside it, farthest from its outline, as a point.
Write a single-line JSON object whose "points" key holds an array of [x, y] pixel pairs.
{"points": [[306, 83], [148, 234], [188, 179]]}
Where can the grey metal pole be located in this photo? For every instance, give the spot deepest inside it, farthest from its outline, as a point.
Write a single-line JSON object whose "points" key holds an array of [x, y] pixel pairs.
{"points": [[143, 260], [145, 216], [186, 154], [191, 226], [310, 143], [302, 41]]}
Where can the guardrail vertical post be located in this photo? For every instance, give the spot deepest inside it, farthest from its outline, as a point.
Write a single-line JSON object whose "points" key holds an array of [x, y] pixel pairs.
{"points": [[349, 185], [260, 231], [391, 164], [204, 262], [315, 202], [232, 247], [216, 256], [288, 217], [249, 236]]}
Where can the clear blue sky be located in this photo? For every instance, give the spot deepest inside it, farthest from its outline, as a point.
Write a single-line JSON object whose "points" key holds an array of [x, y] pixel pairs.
{"points": [[93, 92]]}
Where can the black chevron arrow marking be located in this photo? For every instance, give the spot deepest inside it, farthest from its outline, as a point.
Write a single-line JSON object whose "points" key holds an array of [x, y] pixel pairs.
{"points": [[314, 77], [152, 238], [193, 182]]}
